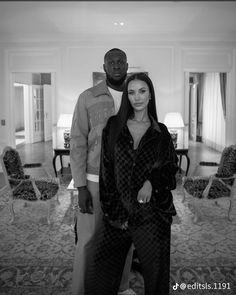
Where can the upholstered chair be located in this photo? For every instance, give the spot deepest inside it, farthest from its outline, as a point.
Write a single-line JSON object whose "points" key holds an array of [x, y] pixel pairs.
{"points": [[220, 185], [24, 187]]}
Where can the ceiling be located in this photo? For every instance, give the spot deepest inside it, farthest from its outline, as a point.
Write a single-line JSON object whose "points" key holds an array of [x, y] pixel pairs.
{"points": [[37, 20]]}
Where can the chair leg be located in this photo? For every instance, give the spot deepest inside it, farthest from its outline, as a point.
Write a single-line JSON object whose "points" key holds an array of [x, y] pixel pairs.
{"points": [[57, 195], [217, 204], [230, 208], [184, 196], [57, 199], [11, 211], [184, 191], [197, 213], [48, 211]]}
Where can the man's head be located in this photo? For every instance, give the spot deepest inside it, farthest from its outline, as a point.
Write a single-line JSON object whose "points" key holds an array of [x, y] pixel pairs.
{"points": [[116, 67]]}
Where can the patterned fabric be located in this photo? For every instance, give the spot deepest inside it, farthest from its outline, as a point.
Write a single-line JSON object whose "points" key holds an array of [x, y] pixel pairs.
{"points": [[195, 186], [48, 189], [227, 165], [155, 160], [13, 165], [152, 243], [21, 184]]}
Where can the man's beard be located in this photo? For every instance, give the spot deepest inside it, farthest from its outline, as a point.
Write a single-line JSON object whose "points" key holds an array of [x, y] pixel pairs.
{"points": [[116, 82]]}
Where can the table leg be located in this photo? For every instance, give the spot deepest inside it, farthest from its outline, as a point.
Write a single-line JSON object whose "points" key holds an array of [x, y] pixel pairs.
{"points": [[54, 164], [180, 161], [61, 164], [188, 164]]}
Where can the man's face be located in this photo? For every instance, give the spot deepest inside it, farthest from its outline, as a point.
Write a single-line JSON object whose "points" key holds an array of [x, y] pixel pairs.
{"points": [[115, 67]]}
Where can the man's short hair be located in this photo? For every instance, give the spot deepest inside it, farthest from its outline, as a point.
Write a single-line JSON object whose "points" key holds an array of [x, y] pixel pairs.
{"points": [[114, 49]]}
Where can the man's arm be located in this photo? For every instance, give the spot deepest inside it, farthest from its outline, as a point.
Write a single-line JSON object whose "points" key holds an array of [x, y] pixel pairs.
{"points": [[78, 152]]}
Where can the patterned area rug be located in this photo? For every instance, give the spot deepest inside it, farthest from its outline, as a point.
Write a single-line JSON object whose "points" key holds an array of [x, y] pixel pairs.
{"points": [[37, 259]]}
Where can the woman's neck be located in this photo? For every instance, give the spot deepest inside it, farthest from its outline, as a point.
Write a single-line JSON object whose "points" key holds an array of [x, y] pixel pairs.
{"points": [[141, 116]]}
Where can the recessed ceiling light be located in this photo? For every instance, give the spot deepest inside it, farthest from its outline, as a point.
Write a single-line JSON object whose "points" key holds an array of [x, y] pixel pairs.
{"points": [[119, 23]]}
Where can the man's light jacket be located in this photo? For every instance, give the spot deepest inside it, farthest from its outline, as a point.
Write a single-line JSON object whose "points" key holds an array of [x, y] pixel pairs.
{"points": [[93, 108]]}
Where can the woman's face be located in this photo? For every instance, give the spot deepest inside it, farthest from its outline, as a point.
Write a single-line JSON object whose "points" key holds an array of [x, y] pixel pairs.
{"points": [[138, 94]]}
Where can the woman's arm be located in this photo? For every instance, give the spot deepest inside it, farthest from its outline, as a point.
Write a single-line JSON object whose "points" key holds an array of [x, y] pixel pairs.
{"points": [[162, 175], [109, 196]]}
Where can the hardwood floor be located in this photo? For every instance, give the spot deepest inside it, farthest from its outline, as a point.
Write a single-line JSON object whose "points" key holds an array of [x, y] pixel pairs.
{"points": [[200, 152], [42, 152]]}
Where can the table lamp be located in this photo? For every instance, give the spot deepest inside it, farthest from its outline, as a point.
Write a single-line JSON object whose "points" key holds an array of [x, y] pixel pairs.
{"points": [[65, 121], [173, 122]]}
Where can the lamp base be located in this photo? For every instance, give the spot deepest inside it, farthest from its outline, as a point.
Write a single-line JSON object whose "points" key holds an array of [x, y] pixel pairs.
{"points": [[67, 139], [174, 136]]}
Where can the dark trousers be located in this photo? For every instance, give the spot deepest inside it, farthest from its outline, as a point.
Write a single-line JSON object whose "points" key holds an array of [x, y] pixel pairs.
{"points": [[152, 244]]}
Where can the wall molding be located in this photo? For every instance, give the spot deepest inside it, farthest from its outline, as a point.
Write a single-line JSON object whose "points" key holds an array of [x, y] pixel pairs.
{"points": [[207, 59]]}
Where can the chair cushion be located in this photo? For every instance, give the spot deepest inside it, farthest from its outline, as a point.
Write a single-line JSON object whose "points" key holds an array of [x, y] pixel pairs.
{"points": [[25, 191], [196, 185]]}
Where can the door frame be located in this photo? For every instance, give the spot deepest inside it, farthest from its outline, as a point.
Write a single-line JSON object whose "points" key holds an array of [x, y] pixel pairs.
{"points": [[228, 95], [10, 117]]}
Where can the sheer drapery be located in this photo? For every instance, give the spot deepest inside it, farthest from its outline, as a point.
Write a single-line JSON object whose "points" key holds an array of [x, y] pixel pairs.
{"points": [[213, 128], [223, 91], [200, 96], [200, 104]]}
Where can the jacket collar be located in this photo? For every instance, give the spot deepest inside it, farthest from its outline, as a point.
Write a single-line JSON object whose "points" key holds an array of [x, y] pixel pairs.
{"points": [[155, 124], [100, 89]]}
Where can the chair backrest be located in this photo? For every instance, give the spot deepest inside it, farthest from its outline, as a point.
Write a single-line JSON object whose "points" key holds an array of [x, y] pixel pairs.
{"points": [[227, 166], [11, 164]]}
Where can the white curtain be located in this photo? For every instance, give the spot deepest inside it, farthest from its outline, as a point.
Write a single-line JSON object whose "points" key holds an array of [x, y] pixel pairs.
{"points": [[213, 127]]}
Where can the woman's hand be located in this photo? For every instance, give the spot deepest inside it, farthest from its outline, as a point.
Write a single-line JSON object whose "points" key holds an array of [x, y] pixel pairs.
{"points": [[145, 193], [119, 225]]}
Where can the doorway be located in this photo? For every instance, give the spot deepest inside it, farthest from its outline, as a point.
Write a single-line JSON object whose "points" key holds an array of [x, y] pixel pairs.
{"points": [[33, 97], [207, 108], [19, 113]]}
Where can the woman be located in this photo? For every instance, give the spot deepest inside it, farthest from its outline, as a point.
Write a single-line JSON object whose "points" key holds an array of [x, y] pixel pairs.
{"points": [[137, 174]]}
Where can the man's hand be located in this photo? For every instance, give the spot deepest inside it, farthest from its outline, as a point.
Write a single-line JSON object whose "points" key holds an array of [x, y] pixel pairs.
{"points": [[85, 200], [145, 193]]}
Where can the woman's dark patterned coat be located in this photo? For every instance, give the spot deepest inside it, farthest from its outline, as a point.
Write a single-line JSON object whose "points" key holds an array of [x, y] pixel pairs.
{"points": [[121, 179]]}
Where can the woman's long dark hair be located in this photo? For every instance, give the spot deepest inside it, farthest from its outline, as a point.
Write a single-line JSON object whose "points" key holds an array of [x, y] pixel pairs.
{"points": [[126, 110]]}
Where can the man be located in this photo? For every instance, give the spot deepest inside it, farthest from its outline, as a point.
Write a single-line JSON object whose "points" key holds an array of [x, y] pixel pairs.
{"points": [[94, 106]]}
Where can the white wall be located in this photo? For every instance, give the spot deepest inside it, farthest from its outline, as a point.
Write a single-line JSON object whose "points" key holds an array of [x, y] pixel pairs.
{"points": [[74, 63], [157, 61], [3, 99]]}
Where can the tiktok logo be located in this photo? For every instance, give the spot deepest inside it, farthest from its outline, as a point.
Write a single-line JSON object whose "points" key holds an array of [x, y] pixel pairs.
{"points": [[175, 287]]}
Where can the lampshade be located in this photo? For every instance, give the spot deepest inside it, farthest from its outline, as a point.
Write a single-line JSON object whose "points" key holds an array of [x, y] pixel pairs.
{"points": [[173, 120], [65, 121]]}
